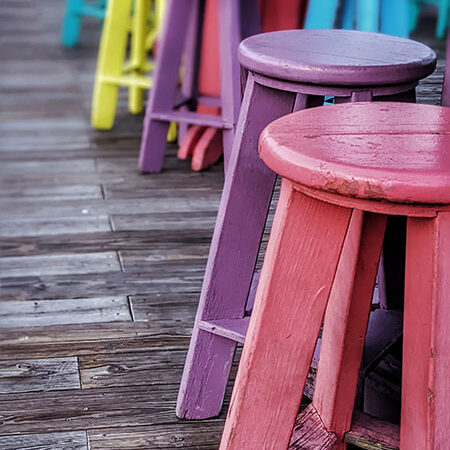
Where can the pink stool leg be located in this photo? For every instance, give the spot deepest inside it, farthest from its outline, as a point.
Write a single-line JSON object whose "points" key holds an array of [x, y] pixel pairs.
{"points": [[425, 421], [162, 96], [345, 323], [234, 249], [191, 63], [299, 267]]}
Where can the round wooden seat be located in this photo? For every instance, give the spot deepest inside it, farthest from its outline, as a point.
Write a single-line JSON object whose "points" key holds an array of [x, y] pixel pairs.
{"points": [[336, 57], [398, 152]]}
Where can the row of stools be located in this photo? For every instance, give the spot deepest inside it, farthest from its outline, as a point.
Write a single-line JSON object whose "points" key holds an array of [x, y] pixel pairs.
{"points": [[346, 170]]}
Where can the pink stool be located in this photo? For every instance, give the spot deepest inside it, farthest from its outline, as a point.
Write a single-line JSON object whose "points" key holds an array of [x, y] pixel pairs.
{"points": [[182, 32], [345, 170], [286, 70]]}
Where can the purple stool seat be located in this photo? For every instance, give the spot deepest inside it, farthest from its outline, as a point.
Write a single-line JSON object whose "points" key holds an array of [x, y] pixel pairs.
{"points": [[309, 56], [287, 71]]}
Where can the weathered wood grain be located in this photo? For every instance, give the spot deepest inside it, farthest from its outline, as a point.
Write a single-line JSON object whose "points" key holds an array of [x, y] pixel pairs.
{"points": [[69, 263], [70, 440], [203, 220], [56, 226], [93, 285], [372, 434], [180, 434], [85, 339], [67, 311], [52, 193], [310, 433], [51, 374], [88, 408], [132, 368], [158, 308], [154, 240]]}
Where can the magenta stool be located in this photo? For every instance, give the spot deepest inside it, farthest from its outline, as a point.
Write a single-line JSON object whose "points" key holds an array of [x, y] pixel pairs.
{"points": [[182, 31], [345, 169], [287, 70]]}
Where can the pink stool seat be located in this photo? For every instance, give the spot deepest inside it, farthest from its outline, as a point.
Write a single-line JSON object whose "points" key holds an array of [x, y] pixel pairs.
{"points": [[402, 151], [378, 58]]}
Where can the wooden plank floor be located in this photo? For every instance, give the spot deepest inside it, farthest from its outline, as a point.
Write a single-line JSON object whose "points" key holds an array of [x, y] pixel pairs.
{"points": [[100, 266]]}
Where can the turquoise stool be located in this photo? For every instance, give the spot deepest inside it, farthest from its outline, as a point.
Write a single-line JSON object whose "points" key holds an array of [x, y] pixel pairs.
{"points": [[443, 14], [75, 9], [386, 16]]}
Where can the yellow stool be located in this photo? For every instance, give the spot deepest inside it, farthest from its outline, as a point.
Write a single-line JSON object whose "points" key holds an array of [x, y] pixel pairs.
{"points": [[141, 20]]}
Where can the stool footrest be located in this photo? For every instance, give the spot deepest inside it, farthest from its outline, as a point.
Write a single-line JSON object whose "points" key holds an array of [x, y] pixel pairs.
{"points": [[131, 80], [192, 118], [234, 329], [310, 432], [370, 433]]}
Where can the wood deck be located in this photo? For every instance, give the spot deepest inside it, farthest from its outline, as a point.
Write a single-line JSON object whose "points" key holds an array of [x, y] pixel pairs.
{"points": [[100, 266]]}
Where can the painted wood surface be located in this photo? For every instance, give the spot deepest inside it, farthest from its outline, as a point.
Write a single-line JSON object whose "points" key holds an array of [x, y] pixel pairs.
{"points": [[306, 53], [345, 323], [421, 138], [288, 292], [425, 387]]}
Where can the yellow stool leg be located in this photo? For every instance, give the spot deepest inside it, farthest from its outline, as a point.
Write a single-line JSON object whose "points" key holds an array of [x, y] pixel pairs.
{"points": [[110, 61], [138, 53]]}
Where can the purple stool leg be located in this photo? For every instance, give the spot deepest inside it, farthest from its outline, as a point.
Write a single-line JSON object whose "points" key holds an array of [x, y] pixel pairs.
{"points": [[162, 96], [237, 20], [233, 254], [230, 93]]}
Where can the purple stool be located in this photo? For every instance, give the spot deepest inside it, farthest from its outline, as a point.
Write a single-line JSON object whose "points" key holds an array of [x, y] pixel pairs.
{"points": [[182, 31], [287, 70]]}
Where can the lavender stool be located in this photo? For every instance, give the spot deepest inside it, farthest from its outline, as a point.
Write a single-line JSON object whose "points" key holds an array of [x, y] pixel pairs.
{"points": [[287, 70], [182, 31]]}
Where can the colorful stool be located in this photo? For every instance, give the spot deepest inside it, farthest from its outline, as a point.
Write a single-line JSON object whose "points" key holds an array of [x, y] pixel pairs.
{"points": [[287, 70], [182, 31], [443, 7], [345, 169], [386, 16], [75, 10], [141, 19]]}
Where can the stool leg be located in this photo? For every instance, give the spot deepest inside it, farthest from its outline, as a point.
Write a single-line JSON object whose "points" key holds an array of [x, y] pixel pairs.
{"points": [[395, 17], [230, 89], [110, 61], [306, 235], [441, 26], [367, 15], [165, 81], [138, 53], [345, 322], [425, 421], [72, 23], [233, 253]]}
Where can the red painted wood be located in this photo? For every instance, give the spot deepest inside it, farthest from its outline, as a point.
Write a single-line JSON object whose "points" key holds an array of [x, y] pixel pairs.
{"points": [[289, 17], [425, 422], [310, 432], [286, 319], [190, 139], [348, 150], [208, 150], [345, 323]]}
